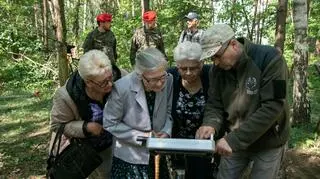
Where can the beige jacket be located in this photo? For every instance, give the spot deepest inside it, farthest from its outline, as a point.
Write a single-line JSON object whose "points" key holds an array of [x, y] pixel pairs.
{"points": [[64, 110]]}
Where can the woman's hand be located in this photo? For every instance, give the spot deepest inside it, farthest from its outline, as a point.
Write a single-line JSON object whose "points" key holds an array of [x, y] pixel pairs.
{"points": [[160, 134], [94, 128]]}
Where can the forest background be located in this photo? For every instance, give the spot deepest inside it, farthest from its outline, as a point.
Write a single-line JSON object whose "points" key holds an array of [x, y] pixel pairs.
{"points": [[35, 37]]}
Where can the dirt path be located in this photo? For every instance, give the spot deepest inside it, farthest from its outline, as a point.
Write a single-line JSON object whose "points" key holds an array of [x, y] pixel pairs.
{"points": [[302, 164]]}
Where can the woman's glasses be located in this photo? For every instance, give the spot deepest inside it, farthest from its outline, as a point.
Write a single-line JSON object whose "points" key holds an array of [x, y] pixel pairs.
{"points": [[103, 83], [153, 81]]}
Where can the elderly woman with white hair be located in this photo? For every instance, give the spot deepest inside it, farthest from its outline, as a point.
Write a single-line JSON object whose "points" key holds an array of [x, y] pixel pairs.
{"points": [[190, 86], [139, 105], [79, 106]]}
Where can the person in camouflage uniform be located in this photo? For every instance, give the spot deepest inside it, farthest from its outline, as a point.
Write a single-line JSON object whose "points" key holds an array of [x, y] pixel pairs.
{"points": [[146, 36], [192, 33], [102, 38]]}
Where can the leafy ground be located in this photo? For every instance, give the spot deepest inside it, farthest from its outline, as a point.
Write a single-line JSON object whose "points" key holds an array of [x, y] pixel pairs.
{"points": [[24, 135], [24, 132]]}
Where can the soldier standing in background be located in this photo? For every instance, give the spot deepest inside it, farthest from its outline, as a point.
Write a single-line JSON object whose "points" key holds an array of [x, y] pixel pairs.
{"points": [[192, 33], [102, 38], [147, 36]]}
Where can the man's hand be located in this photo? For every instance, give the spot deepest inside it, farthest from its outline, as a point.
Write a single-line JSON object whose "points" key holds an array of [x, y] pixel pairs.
{"points": [[223, 148], [204, 132], [94, 128]]}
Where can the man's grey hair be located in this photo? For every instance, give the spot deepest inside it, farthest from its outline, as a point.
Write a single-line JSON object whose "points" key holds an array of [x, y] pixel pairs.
{"points": [[93, 63], [187, 51], [149, 59]]}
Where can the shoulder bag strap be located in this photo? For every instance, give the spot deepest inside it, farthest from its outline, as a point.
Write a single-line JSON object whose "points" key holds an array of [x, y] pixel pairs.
{"points": [[58, 136]]}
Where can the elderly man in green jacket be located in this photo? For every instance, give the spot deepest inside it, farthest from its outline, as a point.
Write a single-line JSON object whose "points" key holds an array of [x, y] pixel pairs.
{"points": [[247, 95]]}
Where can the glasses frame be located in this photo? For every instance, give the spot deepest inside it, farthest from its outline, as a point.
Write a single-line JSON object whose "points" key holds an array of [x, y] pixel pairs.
{"points": [[156, 80], [222, 50], [104, 83], [191, 69]]}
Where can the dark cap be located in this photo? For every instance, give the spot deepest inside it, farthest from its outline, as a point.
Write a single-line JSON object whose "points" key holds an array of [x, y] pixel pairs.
{"points": [[192, 15]]}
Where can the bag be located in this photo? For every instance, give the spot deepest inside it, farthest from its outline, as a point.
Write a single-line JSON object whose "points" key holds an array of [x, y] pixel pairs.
{"points": [[77, 161]]}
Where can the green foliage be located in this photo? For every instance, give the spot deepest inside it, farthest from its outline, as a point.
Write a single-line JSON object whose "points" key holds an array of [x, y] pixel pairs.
{"points": [[24, 75], [314, 19], [17, 32]]}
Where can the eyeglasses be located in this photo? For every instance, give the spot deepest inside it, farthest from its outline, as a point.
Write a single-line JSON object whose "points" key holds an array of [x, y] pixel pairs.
{"points": [[191, 69], [103, 83], [153, 81], [221, 51]]}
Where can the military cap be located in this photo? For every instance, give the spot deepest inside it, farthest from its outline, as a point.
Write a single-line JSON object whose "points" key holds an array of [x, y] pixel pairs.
{"points": [[149, 16], [104, 17]]}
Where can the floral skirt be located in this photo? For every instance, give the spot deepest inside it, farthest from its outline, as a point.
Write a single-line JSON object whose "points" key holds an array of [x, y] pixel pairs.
{"points": [[125, 170]]}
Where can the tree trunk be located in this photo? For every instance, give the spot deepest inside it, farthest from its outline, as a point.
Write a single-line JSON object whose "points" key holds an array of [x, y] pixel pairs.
{"points": [[254, 19], [60, 32], [144, 7], [133, 9], [280, 34], [84, 24], [301, 103], [317, 129], [233, 12], [45, 25], [213, 11], [76, 27], [245, 14], [265, 7], [35, 13], [258, 19], [91, 7]]}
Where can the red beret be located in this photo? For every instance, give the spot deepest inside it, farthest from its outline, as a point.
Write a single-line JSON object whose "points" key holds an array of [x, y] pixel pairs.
{"points": [[104, 17], [149, 16]]}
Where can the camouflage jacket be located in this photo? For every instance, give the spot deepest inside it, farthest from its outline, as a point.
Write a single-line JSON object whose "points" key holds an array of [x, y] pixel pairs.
{"points": [[104, 41], [187, 35], [143, 39]]}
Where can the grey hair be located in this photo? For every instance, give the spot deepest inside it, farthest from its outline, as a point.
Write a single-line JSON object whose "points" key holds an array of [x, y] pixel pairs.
{"points": [[187, 51], [149, 59], [93, 63]]}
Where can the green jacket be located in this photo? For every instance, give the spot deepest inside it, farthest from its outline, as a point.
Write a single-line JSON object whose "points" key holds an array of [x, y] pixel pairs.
{"points": [[251, 100], [104, 41], [144, 38]]}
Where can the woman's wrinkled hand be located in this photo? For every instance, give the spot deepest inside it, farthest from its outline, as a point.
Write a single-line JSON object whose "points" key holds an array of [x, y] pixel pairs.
{"points": [[94, 128], [160, 134]]}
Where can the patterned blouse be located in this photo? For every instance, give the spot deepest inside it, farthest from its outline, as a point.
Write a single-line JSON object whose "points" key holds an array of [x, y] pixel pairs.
{"points": [[150, 97], [190, 109]]}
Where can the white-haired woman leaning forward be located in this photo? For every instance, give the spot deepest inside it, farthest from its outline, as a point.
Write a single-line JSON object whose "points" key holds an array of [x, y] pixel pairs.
{"points": [[139, 105], [190, 87], [79, 105]]}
